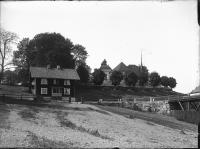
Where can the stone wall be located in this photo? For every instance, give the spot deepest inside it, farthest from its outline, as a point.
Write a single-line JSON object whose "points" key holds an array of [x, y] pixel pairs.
{"points": [[160, 107]]}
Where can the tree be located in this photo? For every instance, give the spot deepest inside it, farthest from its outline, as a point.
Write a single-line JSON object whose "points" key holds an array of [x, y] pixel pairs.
{"points": [[11, 77], [154, 79], [83, 74], [172, 82], [7, 38], [79, 54], [24, 58], [142, 79], [130, 79], [116, 78], [98, 77], [53, 49], [164, 81], [43, 49]]}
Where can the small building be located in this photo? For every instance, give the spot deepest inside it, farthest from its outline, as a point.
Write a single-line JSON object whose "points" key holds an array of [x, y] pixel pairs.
{"points": [[53, 82], [106, 69]]}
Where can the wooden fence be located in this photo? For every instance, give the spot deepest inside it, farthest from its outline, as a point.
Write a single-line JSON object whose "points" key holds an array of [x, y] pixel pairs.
{"points": [[187, 116], [5, 97]]}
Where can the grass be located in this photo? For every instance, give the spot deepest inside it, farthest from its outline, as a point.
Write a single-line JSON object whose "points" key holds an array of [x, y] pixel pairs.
{"points": [[42, 142], [4, 113], [61, 116], [149, 117], [92, 94], [29, 113], [100, 111], [9, 89]]}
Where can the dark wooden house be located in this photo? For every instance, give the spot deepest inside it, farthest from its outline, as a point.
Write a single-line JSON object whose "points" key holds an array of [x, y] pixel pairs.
{"points": [[53, 82]]}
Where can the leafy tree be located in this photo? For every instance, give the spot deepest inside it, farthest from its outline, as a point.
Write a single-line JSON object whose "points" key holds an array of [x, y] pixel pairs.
{"points": [[98, 77], [143, 69], [7, 38], [24, 58], [154, 79], [164, 81], [130, 79], [83, 74], [43, 49], [172, 82], [116, 78], [79, 54], [53, 49], [142, 79], [11, 77]]}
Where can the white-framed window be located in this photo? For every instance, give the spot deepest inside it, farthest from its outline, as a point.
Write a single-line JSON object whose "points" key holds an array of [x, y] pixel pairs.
{"points": [[66, 82], [56, 81], [66, 91], [43, 90], [43, 81]]}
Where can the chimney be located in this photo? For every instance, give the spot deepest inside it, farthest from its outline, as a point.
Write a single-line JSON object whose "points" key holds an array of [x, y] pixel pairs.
{"points": [[48, 66], [58, 66]]}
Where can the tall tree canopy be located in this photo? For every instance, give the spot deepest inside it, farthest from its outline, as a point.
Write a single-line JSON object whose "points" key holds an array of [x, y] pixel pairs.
{"points": [[98, 77], [7, 38], [172, 82], [116, 78], [79, 54], [164, 81], [43, 49], [154, 79], [142, 79], [83, 74], [130, 79], [11, 77]]}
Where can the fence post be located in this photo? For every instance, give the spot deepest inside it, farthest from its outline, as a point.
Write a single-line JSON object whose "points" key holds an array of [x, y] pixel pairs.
{"points": [[69, 99]]}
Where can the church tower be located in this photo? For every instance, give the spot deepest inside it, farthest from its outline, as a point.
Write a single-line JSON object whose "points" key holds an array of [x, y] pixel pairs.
{"points": [[141, 66]]}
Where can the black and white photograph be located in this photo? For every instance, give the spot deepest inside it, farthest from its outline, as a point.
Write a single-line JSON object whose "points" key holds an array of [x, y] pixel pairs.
{"points": [[99, 74]]}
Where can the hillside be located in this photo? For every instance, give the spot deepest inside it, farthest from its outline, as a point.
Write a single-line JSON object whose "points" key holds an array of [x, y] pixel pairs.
{"points": [[92, 94]]}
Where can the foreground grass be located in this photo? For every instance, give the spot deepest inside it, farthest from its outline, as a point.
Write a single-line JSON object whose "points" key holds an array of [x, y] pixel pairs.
{"points": [[164, 120], [62, 117], [4, 113], [29, 113], [43, 142]]}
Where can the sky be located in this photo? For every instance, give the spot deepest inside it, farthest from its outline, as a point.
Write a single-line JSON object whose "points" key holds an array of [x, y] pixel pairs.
{"points": [[167, 33]]}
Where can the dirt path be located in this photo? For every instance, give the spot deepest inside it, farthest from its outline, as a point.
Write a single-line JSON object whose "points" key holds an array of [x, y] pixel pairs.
{"points": [[86, 126]]}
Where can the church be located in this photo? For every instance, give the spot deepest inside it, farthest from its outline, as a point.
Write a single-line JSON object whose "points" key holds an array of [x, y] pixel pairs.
{"points": [[120, 67]]}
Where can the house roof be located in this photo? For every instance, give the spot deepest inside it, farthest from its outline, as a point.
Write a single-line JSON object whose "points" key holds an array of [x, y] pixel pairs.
{"points": [[121, 67], [196, 90], [41, 72], [105, 67]]}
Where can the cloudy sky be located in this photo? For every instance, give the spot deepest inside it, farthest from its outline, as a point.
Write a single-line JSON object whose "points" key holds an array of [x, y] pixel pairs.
{"points": [[117, 31]]}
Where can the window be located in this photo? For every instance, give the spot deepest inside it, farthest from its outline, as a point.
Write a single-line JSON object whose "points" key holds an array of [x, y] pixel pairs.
{"points": [[56, 81], [43, 81], [66, 82], [66, 91], [43, 90]]}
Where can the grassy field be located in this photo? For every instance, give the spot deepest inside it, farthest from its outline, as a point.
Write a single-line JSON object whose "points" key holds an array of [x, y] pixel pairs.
{"points": [[96, 94]]}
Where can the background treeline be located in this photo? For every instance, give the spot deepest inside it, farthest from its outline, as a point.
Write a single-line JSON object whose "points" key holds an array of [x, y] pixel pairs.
{"points": [[55, 49]]}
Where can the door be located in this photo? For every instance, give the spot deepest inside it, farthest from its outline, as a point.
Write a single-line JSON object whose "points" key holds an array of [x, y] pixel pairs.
{"points": [[56, 91]]}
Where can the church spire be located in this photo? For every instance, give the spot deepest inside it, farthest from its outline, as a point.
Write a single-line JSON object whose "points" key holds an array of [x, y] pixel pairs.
{"points": [[141, 58]]}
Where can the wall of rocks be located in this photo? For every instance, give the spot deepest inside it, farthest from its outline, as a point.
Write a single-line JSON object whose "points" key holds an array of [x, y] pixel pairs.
{"points": [[160, 107]]}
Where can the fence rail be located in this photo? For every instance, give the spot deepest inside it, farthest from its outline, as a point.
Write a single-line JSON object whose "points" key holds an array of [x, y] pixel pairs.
{"points": [[16, 96]]}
